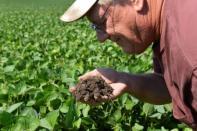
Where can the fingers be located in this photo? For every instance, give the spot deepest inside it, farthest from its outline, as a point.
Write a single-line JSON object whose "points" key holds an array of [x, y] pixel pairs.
{"points": [[72, 90], [118, 89], [89, 74], [108, 75]]}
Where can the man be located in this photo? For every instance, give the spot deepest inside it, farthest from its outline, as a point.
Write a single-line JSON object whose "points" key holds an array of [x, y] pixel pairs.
{"points": [[134, 25]]}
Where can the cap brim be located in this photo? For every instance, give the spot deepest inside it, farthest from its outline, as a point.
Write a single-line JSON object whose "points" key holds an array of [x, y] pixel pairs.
{"points": [[78, 9]]}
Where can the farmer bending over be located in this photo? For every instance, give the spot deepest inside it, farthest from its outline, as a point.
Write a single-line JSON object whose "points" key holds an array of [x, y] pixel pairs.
{"points": [[171, 25]]}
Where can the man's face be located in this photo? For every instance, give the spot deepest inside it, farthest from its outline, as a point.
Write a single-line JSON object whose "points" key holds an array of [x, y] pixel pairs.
{"points": [[120, 23]]}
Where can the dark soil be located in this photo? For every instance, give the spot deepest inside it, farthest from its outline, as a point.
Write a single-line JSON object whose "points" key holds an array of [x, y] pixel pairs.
{"points": [[92, 89]]}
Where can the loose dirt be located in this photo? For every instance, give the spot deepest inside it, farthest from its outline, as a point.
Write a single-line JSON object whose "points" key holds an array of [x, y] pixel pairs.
{"points": [[92, 89]]}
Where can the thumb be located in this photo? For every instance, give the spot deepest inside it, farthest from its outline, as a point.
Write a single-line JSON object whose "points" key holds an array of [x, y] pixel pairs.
{"points": [[72, 90], [118, 89]]}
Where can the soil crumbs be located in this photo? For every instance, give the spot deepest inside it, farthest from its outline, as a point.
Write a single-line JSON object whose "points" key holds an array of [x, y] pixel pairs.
{"points": [[93, 89]]}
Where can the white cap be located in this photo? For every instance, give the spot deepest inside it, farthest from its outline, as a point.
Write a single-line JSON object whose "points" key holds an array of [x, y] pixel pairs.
{"points": [[77, 10]]}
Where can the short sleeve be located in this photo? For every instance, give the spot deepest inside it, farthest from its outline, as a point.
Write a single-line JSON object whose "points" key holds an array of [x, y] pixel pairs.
{"points": [[193, 97], [179, 58]]}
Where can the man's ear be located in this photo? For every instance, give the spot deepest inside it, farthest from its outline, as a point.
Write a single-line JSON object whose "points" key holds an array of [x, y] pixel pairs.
{"points": [[138, 4]]}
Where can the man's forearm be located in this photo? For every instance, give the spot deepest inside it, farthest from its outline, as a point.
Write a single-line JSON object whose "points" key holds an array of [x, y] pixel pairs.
{"points": [[147, 87]]}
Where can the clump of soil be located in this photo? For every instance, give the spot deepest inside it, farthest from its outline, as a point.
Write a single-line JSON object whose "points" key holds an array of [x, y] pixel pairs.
{"points": [[92, 89]]}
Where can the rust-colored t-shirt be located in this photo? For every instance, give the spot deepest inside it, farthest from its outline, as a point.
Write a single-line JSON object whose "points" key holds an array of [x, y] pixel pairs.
{"points": [[175, 56]]}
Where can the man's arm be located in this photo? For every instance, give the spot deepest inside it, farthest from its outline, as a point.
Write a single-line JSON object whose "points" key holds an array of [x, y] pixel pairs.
{"points": [[150, 88]]}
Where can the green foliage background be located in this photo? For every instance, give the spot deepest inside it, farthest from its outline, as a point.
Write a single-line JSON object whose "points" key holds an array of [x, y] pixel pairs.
{"points": [[41, 57]]}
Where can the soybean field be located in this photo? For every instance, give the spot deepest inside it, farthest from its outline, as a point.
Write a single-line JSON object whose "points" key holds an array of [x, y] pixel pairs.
{"points": [[41, 57]]}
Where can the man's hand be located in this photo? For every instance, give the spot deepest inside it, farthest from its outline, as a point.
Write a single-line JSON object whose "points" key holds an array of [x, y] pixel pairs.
{"points": [[111, 77], [149, 88]]}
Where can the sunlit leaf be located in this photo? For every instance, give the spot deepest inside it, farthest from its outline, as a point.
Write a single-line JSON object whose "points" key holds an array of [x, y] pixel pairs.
{"points": [[85, 111], [137, 127], [129, 104], [148, 109], [117, 115], [14, 107], [50, 120], [160, 108], [9, 68], [77, 123]]}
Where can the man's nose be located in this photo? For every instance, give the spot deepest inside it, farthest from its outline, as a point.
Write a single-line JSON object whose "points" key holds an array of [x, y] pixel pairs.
{"points": [[102, 36]]}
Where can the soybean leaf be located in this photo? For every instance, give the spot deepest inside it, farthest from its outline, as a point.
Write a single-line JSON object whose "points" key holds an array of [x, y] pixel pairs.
{"points": [[9, 68], [69, 118], [117, 115], [160, 108], [187, 129], [30, 103], [77, 123], [87, 121], [3, 98], [29, 111], [55, 104], [137, 127], [14, 107], [25, 123], [118, 127], [50, 120], [148, 108], [65, 106], [129, 104], [5, 118], [85, 111], [156, 115]]}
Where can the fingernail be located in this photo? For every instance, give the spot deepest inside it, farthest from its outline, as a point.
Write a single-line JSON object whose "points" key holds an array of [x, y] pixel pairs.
{"points": [[72, 89]]}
